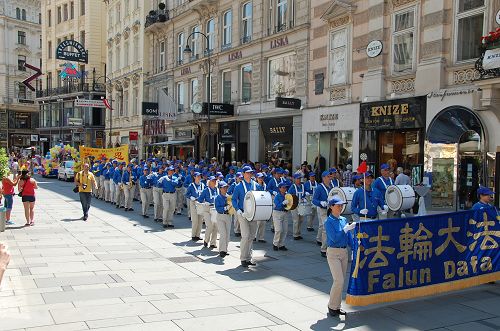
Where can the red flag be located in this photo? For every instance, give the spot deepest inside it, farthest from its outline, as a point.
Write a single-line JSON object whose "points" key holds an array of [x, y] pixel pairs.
{"points": [[362, 168], [106, 103]]}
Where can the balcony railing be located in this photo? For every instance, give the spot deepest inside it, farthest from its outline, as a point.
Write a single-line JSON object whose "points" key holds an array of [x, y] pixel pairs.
{"points": [[71, 88], [157, 16], [246, 39]]}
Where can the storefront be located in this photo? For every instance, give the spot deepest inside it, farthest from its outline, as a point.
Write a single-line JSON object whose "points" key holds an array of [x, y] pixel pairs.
{"points": [[182, 146], [278, 140], [331, 136], [457, 149], [393, 132], [228, 141]]}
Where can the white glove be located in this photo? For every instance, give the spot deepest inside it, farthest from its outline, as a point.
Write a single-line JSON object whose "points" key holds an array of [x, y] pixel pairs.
{"points": [[226, 208], [324, 204], [239, 212], [364, 211], [193, 199], [349, 227], [285, 202], [207, 203], [386, 208], [308, 194]]}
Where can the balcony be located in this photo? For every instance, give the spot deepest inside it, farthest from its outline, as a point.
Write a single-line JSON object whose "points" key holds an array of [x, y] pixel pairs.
{"points": [[71, 88], [156, 16], [246, 39]]}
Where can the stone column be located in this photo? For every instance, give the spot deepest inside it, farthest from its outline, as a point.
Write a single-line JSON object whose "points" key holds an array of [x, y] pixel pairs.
{"points": [[253, 140]]}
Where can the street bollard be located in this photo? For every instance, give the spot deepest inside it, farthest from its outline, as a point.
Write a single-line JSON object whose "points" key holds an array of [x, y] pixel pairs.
{"points": [[3, 211]]}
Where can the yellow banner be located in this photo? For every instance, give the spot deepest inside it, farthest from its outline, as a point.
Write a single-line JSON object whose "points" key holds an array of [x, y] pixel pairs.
{"points": [[117, 153]]}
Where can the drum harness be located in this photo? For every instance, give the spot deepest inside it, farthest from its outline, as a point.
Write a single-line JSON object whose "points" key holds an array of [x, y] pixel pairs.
{"points": [[301, 193], [198, 191], [327, 193], [383, 181], [212, 197]]}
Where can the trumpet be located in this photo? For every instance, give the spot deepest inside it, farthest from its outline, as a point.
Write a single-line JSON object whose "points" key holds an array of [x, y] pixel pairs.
{"points": [[121, 186]]}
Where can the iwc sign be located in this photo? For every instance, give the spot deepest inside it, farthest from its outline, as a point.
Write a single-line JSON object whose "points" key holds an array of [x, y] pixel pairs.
{"points": [[374, 48]]}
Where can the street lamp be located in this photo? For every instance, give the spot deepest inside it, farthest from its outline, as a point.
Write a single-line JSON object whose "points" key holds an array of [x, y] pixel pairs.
{"points": [[188, 50]]}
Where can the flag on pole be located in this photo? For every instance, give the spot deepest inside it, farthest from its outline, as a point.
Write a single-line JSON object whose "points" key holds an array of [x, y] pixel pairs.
{"points": [[106, 103], [362, 168]]}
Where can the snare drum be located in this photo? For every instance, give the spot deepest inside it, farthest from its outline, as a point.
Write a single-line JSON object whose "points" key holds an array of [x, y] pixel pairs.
{"points": [[346, 194], [258, 206], [202, 208], [400, 197], [305, 208]]}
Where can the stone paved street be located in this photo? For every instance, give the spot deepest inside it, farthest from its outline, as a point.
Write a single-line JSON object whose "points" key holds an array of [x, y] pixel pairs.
{"points": [[120, 272]]}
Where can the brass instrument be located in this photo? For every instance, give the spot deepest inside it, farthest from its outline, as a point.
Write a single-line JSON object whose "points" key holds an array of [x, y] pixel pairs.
{"points": [[231, 210]]}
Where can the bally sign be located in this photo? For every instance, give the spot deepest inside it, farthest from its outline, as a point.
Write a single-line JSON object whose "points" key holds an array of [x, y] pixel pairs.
{"points": [[224, 109], [491, 59], [288, 103], [150, 109]]}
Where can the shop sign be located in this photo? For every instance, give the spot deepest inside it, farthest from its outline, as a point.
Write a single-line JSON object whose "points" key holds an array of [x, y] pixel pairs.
{"points": [[150, 109], [183, 134], [154, 127], [42, 139], [81, 55], [185, 71], [224, 109], [228, 132], [279, 42], [393, 114], [328, 119], [277, 130], [75, 121], [374, 48], [34, 137], [234, 56], [133, 135], [288, 103], [448, 93], [491, 59], [89, 103]]}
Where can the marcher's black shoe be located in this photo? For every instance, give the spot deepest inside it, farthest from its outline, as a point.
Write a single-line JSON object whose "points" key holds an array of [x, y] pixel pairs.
{"points": [[205, 244], [117, 207], [222, 254], [155, 220], [319, 243], [254, 239], [135, 199], [251, 263], [151, 205], [237, 234], [85, 218], [165, 226], [262, 241], [310, 229], [323, 254], [296, 238], [213, 246], [272, 230], [283, 248], [194, 238], [131, 209], [244, 264], [198, 238], [122, 206], [171, 226], [126, 209], [336, 312], [275, 247], [145, 216], [300, 237]]}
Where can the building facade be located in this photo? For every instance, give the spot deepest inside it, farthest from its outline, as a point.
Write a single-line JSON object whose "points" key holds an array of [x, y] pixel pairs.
{"points": [[400, 77], [20, 38], [254, 51], [125, 63], [65, 81]]}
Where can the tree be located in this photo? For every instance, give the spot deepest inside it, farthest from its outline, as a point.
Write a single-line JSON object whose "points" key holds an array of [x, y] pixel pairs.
{"points": [[4, 163]]}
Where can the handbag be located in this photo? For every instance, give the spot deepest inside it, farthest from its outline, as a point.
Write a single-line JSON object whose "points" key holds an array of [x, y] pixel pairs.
{"points": [[75, 189]]}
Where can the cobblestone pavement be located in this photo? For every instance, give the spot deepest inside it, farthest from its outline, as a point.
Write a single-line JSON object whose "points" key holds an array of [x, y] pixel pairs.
{"points": [[118, 271]]}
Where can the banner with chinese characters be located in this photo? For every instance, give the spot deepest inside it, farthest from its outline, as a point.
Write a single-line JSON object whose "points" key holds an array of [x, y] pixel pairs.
{"points": [[405, 258], [117, 153]]}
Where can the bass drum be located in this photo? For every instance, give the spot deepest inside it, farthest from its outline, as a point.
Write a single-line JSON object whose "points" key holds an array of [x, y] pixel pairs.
{"points": [[258, 206], [346, 194], [202, 208], [400, 197], [305, 208]]}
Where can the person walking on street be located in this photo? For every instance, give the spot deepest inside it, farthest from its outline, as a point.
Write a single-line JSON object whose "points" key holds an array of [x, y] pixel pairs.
{"points": [[169, 183], [146, 191], [85, 182], [4, 260], [8, 194], [338, 237], [223, 218], [27, 187], [310, 186], [320, 200], [193, 193], [128, 187], [280, 218]]}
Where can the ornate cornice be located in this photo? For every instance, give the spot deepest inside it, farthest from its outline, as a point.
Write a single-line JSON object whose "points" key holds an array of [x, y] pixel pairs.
{"points": [[339, 13], [399, 3]]}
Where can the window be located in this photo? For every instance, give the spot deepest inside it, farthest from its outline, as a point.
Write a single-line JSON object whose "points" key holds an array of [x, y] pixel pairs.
{"points": [[49, 49], [194, 91], [246, 22], [281, 14], [23, 14], [82, 38], [195, 37], [65, 11], [59, 14], [469, 29], [338, 57], [21, 93], [18, 13], [180, 97], [126, 51], [162, 55], [226, 29], [403, 40], [49, 18], [281, 80], [49, 80], [21, 37], [210, 34], [226, 87], [71, 10], [135, 99], [82, 7], [136, 48], [21, 61], [119, 98], [246, 83], [125, 103], [180, 47]]}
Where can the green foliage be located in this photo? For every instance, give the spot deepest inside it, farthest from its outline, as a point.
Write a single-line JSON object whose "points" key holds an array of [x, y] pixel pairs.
{"points": [[4, 163]]}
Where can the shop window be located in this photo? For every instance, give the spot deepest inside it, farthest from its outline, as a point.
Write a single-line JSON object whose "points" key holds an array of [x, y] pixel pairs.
{"points": [[226, 87], [227, 19], [281, 79], [403, 40], [338, 57], [22, 121], [246, 83], [329, 149], [246, 22], [469, 22], [401, 146]]}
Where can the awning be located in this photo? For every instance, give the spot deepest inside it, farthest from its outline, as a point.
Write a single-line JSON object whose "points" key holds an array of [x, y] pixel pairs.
{"points": [[173, 142]]}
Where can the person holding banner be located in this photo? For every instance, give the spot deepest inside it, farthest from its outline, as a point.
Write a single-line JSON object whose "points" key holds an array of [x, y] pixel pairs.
{"points": [[338, 237], [485, 196], [365, 200], [320, 200]]}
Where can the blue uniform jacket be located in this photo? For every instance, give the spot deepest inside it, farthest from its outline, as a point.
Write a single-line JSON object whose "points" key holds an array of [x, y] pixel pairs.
{"points": [[335, 235], [335, 182], [188, 180], [194, 190], [278, 202], [169, 184], [158, 181], [208, 195], [126, 178], [145, 181], [321, 194], [310, 187], [230, 190], [261, 187], [298, 190], [272, 186], [378, 185], [117, 175], [107, 174], [221, 204], [373, 200], [239, 193], [479, 205]]}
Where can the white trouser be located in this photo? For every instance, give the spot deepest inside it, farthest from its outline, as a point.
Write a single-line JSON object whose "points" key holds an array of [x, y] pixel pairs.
{"points": [[157, 202], [180, 191], [112, 191], [137, 191], [297, 222], [169, 201], [100, 191], [337, 261], [196, 220], [321, 229], [261, 229], [248, 229], [119, 195], [107, 190], [211, 229], [224, 227], [280, 221], [128, 192], [311, 218], [146, 198], [237, 228]]}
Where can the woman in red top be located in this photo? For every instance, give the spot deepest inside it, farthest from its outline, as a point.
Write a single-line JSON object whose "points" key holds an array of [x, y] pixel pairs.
{"points": [[8, 193], [27, 187]]}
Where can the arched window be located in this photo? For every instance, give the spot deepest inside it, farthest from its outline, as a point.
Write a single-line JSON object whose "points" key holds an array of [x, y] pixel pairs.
{"points": [[23, 16], [18, 13]]}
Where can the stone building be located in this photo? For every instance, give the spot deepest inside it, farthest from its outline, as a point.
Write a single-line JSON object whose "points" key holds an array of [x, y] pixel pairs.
{"points": [[396, 80], [20, 37]]}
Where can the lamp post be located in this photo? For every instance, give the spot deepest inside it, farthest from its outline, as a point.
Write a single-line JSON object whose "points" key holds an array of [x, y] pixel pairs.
{"points": [[108, 80], [188, 50]]}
